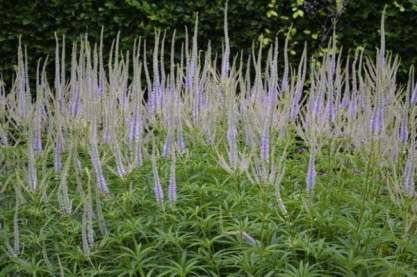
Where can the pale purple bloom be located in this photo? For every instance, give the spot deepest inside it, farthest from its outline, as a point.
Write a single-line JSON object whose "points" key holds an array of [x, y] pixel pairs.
{"points": [[75, 104], [166, 151], [180, 139], [138, 154], [414, 95], [159, 193], [352, 108], [409, 185], [37, 141], [311, 173], [120, 169], [95, 159], [331, 111], [32, 175], [316, 104], [232, 142], [403, 131], [226, 55], [377, 121], [57, 154], [345, 101], [172, 187], [265, 144], [100, 89], [135, 125]]}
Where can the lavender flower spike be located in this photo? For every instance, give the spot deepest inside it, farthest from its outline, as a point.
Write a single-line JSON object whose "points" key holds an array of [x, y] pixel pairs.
{"points": [[167, 146], [32, 174], [311, 173], [414, 96], [265, 145], [101, 181], [403, 132], [172, 187], [159, 193], [408, 175], [57, 154]]}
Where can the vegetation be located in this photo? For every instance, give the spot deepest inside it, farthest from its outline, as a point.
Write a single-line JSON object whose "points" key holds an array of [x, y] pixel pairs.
{"points": [[180, 162]]}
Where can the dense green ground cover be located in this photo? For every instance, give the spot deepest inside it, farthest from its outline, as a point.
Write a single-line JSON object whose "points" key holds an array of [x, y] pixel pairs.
{"points": [[221, 225]]}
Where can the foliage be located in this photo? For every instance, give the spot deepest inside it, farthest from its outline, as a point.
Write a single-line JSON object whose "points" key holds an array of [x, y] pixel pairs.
{"points": [[203, 234], [207, 167]]}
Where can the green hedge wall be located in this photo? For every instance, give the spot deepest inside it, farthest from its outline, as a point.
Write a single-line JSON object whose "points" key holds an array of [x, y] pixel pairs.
{"points": [[357, 23]]}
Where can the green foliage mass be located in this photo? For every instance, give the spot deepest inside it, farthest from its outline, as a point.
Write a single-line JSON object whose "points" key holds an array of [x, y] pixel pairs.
{"points": [[222, 224], [249, 20]]}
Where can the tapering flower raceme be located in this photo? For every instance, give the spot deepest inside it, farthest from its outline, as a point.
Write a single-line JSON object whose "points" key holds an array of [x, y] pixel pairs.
{"points": [[316, 107], [232, 140], [37, 136], [64, 199], [352, 108], [265, 144], [409, 172], [58, 153], [331, 111], [302, 69], [284, 83], [192, 63], [377, 121], [311, 172], [23, 88], [168, 144], [413, 99], [172, 186], [32, 172], [120, 168], [59, 73], [95, 159], [170, 126], [180, 137], [159, 193], [249, 134], [137, 153], [16, 230], [87, 231], [403, 131], [154, 93], [268, 118], [38, 111], [100, 217], [226, 52], [135, 136], [135, 125]]}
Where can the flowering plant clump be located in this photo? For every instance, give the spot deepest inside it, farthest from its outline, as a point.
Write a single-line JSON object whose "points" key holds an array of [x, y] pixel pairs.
{"points": [[207, 168]]}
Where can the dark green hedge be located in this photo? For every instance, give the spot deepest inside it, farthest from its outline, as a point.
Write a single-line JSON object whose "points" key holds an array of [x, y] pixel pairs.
{"points": [[357, 23]]}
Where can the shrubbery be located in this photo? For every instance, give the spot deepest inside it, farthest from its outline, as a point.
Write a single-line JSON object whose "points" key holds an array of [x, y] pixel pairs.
{"points": [[250, 20]]}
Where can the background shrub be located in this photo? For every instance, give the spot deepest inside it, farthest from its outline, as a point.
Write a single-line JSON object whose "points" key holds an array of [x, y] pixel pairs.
{"points": [[357, 24]]}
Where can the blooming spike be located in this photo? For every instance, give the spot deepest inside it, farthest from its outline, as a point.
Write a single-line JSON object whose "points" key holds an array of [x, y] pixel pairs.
{"points": [[311, 173], [172, 187], [159, 193]]}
